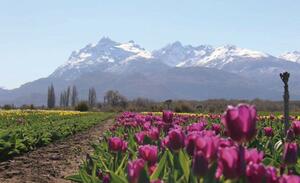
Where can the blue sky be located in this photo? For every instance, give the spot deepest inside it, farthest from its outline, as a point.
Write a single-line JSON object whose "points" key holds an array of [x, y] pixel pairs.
{"points": [[38, 36]]}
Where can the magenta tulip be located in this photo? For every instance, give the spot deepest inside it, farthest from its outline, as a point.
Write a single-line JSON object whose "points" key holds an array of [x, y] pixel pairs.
{"points": [[240, 122], [271, 175], [199, 164], [290, 153], [134, 170], [190, 143], [148, 153], [289, 179], [139, 137], [254, 156], [296, 127], [268, 131], [167, 116], [216, 128], [229, 162], [255, 173], [116, 144], [176, 139]]}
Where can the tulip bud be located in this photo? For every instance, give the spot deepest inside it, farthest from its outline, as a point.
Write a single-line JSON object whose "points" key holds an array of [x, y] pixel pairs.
{"points": [[176, 139], [134, 170], [255, 173], [148, 153], [229, 162], [116, 144], [252, 155], [268, 131], [240, 122], [290, 153], [200, 164], [216, 128], [168, 116], [271, 175], [296, 127], [289, 179]]}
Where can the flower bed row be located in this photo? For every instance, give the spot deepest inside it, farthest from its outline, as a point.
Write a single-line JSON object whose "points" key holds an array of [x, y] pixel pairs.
{"points": [[238, 146]]}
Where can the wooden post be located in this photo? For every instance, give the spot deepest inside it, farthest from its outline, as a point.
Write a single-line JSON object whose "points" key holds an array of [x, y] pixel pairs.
{"points": [[285, 78]]}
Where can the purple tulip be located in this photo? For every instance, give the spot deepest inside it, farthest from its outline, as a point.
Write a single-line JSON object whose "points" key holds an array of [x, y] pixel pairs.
{"points": [[190, 143], [208, 145], [268, 131], [271, 175], [176, 139], [153, 133], [106, 179], [296, 127], [289, 179], [196, 127], [148, 153], [139, 137], [240, 122], [229, 162], [116, 144], [167, 116], [216, 128], [254, 156], [200, 164], [290, 153], [255, 173], [134, 170]]}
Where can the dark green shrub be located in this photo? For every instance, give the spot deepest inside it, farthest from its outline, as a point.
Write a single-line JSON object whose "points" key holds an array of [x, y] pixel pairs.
{"points": [[82, 106]]}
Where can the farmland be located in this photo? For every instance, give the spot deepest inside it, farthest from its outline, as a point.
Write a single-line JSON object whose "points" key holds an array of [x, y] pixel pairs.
{"points": [[25, 130], [237, 146]]}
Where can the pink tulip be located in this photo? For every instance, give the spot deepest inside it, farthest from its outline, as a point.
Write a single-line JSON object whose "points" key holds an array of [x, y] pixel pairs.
{"points": [[167, 116], [139, 137], [254, 156], [134, 170], [240, 122], [290, 153], [255, 173], [199, 164], [196, 127], [296, 127], [153, 133], [271, 175], [208, 145], [268, 131], [216, 128], [289, 179], [148, 153], [176, 139], [190, 143], [116, 144], [229, 162]]}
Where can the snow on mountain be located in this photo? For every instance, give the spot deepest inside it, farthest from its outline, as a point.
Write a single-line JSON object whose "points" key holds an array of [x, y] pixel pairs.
{"points": [[176, 54], [107, 55], [291, 56]]}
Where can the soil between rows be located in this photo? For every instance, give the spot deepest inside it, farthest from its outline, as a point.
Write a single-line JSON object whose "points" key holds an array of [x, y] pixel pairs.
{"points": [[50, 164]]}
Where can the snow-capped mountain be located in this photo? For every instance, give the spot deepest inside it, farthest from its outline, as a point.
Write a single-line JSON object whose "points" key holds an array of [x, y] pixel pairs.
{"points": [[106, 55], [175, 71], [291, 56]]}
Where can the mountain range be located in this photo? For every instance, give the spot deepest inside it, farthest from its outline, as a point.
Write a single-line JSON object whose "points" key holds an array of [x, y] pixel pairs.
{"points": [[175, 71]]}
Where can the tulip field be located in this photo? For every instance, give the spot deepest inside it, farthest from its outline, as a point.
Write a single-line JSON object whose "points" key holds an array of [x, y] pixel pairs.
{"points": [[24, 130], [236, 146]]}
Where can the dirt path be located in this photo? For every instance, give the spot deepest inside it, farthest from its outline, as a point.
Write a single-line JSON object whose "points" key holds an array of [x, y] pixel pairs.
{"points": [[52, 163]]}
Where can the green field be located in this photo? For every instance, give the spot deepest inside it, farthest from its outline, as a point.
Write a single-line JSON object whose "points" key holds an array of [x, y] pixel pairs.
{"points": [[24, 130]]}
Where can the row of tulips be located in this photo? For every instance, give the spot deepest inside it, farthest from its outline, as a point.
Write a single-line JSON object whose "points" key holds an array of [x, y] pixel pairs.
{"points": [[238, 146]]}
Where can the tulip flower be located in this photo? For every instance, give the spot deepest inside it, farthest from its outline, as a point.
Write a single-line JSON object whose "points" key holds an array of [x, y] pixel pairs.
{"points": [[255, 173], [176, 139], [229, 162], [116, 144], [106, 179], [134, 170], [271, 175], [289, 179], [199, 164], [254, 156], [196, 127], [296, 127], [153, 133], [148, 153], [240, 122], [208, 145], [139, 137], [216, 128], [190, 143], [290, 153], [268, 131], [167, 116]]}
